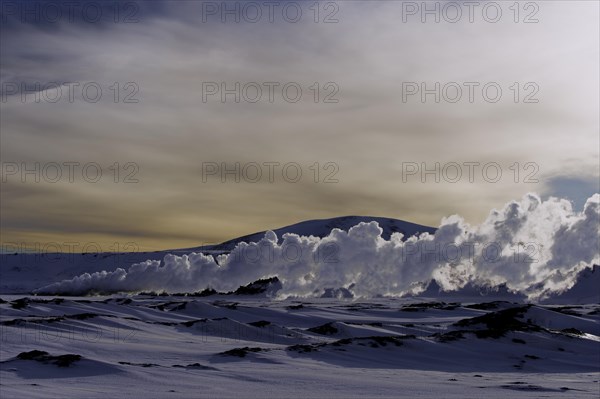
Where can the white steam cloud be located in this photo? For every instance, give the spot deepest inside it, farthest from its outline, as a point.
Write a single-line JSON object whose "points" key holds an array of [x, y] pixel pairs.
{"points": [[532, 246]]}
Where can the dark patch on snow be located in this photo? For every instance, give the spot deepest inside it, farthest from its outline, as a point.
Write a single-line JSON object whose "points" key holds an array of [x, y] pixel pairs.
{"points": [[372, 342], [449, 336], [419, 307], [181, 306], [303, 348], [242, 352], [325, 329], [82, 316], [192, 322], [260, 323], [52, 319], [20, 303], [140, 364], [572, 331], [532, 388], [45, 358], [14, 322], [499, 323], [196, 366]]}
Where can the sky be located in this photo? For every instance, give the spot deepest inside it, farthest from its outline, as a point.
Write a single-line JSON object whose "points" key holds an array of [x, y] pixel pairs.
{"points": [[151, 161]]}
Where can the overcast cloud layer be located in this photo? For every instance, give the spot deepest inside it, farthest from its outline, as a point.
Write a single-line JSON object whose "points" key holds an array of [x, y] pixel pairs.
{"points": [[368, 133]]}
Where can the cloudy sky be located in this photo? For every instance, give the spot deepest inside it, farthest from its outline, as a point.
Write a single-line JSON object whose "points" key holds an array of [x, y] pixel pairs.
{"points": [[162, 133]]}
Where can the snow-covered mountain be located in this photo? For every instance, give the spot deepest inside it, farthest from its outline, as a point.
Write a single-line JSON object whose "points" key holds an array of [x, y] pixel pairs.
{"points": [[322, 227], [585, 290], [24, 272]]}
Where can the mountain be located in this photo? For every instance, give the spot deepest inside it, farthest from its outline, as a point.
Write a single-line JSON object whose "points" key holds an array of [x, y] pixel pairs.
{"points": [[24, 272], [322, 227], [585, 290]]}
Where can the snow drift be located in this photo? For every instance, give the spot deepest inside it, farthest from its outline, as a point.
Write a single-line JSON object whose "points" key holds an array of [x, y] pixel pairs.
{"points": [[531, 246]]}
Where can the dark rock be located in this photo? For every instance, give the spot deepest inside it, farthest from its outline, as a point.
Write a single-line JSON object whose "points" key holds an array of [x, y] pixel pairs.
{"points": [[260, 323], [325, 329]]}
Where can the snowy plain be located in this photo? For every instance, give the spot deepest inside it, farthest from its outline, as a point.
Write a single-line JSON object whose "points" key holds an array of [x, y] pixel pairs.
{"points": [[235, 346]]}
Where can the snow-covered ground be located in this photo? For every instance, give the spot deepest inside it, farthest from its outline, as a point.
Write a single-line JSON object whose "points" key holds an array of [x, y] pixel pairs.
{"points": [[236, 346]]}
